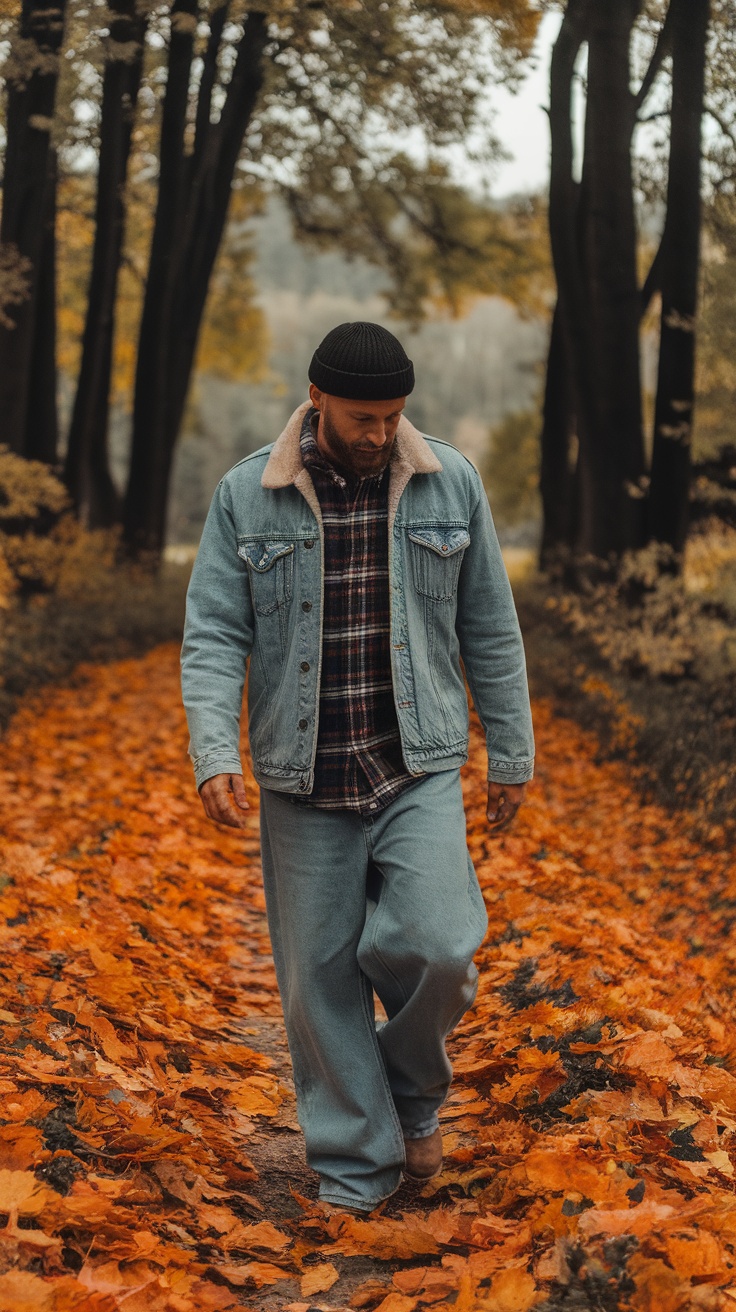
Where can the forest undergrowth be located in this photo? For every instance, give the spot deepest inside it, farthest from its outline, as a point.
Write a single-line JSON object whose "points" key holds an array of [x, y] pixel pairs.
{"points": [[150, 1158], [67, 594], [647, 662]]}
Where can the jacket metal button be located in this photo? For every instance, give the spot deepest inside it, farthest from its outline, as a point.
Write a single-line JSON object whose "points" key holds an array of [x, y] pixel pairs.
{"points": [[306, 605], [304, 666], [303, 785], [309, 543], [303, 724]]}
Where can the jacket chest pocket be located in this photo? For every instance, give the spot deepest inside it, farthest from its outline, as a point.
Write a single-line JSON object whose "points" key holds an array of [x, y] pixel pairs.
{"points": [[270, 570], [436, 556]]}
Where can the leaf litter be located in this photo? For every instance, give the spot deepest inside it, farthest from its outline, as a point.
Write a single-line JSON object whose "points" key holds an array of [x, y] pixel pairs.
{"points": [[150, 1157]]}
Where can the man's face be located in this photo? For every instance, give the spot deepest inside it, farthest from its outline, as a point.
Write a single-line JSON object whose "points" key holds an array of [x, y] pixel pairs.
{"points": [[357, 436]]}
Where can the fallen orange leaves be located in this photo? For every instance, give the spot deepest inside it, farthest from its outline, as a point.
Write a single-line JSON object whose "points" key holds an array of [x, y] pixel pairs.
{"points": [[146, 1113], [318, 1279]]}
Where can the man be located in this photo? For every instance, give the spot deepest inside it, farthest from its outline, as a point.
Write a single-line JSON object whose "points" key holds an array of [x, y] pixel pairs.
{"points": [[354, 563]]}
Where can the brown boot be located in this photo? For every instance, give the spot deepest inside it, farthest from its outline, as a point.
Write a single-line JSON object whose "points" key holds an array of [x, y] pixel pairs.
{"points": [[423, 1157]]}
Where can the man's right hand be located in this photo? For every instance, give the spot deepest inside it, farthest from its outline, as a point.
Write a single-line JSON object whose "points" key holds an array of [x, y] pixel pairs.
{"points": [[223, 798]]}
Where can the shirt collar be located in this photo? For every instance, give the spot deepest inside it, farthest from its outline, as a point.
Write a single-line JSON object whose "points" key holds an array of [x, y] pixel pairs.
{"points": [[311, 454], [314, 458]]}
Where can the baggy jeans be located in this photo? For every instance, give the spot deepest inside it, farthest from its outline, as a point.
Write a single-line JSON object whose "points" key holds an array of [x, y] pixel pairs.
{"points": [[356, 903]]}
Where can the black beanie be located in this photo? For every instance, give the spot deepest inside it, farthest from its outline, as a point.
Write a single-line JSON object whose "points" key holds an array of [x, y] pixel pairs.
{"points": [[363, 362]]}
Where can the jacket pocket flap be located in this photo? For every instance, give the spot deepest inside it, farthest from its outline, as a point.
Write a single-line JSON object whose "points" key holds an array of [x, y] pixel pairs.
{"points": [[445, 541], [262, 555]]}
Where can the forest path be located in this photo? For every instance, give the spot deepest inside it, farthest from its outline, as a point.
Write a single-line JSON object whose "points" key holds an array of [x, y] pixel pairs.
{"points": [[149, 1149]]}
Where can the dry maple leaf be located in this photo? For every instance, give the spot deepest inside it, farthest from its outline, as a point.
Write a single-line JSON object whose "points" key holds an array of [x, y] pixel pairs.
{"points": [[318, 1279]]}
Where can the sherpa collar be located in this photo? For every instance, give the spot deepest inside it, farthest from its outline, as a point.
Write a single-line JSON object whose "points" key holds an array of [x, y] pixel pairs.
{"points": [[412, 455]]}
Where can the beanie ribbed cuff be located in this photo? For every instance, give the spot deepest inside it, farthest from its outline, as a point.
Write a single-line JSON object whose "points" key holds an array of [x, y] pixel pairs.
{"points": [[362, 362]]}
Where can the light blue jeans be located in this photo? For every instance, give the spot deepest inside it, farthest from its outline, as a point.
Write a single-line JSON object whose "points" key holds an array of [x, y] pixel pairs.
{"points": [[355, 903]]}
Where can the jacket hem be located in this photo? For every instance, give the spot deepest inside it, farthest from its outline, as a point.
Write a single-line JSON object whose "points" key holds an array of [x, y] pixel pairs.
{"points": [[282, 781], [290, 780], [438, 752]]}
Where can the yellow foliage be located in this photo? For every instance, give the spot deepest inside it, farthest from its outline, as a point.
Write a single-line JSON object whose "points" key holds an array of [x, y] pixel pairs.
{"points": [[42, 547], [14, 280], [32, 561], [516, 20], [28, 491], [8, 585], [710, 562], [74, 234], [650, 621], [233, 342]]}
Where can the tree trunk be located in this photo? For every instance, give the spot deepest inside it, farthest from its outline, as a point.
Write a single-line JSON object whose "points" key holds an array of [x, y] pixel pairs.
{"points": [[593, 238], [87, 471], [670, 474], [42, 422], [28, 185], [612, 456], [572, 304], [193, 200], [555, 476]]}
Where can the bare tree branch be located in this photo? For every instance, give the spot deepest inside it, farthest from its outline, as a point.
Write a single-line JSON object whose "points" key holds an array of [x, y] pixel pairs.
{"points": [[209, 75], [652, 118], [728, 129], [661, 50]]}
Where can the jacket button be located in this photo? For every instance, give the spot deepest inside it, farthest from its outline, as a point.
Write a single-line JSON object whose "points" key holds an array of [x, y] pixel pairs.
{"points": [[303, 724], [303, 785], [306, 605], [304, 666], [444, 546], [308, 544]]}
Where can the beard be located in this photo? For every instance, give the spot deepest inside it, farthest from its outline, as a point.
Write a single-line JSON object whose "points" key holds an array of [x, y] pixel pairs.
{"points": [[349, 458]]}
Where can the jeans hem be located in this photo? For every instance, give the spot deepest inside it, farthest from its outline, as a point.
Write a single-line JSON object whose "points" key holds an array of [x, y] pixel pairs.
{"points": [[421, 1131], [365, 1205]]}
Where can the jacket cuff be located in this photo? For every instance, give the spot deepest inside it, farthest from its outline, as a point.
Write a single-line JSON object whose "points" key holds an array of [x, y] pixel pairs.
{"points": [[511, 772], [215, 763]]}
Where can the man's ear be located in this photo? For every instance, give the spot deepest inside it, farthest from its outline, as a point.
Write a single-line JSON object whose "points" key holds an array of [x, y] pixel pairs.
{"points": [[315, 396]]}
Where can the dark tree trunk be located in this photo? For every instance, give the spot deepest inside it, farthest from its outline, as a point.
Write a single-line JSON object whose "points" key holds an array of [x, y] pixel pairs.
{"points": [[194, 193], [572, 303], [87, 471], [42, 423], [556, 469], [27, 195], [612, 457], [146, 471], [593, 237], [678, 277]]}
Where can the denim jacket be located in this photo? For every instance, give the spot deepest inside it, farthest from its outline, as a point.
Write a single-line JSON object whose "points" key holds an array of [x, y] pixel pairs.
{"points": [[256, 594]]}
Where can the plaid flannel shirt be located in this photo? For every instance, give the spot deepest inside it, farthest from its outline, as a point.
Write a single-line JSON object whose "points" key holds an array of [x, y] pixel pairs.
{"points": [[358, 763]]}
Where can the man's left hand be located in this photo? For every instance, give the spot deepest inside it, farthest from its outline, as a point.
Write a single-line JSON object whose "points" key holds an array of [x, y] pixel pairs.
{"points": [[504, 801]]}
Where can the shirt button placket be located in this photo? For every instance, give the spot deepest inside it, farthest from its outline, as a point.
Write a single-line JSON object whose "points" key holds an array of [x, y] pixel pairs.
{"points": [[303, 723]]}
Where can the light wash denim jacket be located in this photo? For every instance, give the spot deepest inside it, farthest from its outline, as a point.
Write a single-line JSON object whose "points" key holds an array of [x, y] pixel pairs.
{"points": [[256, 592]]}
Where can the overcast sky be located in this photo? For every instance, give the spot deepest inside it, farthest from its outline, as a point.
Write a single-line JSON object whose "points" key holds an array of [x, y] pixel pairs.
{"points": [[521, 122]]}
